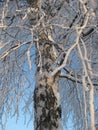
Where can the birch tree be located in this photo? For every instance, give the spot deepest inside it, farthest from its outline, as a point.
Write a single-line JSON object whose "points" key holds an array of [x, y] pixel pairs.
{"points": [[52, 44]]}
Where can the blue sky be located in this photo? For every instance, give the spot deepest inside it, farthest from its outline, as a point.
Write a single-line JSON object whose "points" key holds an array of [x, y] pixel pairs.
{"points": [[12, 125]]}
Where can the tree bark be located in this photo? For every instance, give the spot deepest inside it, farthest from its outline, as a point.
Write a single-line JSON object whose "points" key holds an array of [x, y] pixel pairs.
{"points": [[46, 95]]}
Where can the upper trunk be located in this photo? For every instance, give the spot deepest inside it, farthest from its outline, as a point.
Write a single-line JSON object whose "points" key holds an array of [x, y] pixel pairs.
{"points": [[46, 96]]}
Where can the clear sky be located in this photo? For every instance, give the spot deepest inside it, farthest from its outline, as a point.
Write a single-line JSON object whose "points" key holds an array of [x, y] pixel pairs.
{"points": [[12, 125]]}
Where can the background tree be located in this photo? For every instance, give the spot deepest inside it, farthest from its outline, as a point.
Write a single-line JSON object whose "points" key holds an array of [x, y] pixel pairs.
{"points": [[57, 40]]}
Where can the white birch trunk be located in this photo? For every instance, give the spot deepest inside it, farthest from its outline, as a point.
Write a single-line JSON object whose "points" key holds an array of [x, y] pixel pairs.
{"points": [[46, 95]]}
